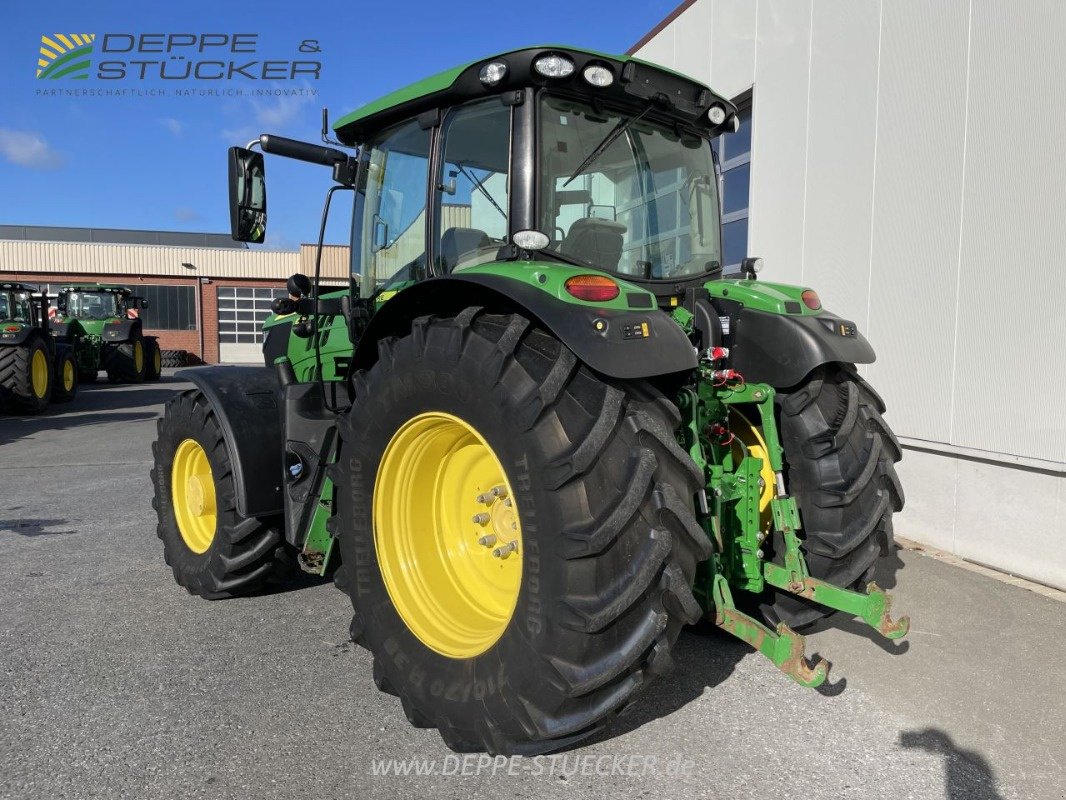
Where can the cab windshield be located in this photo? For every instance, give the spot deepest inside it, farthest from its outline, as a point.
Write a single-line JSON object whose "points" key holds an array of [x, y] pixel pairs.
{"points": [[15, 306], [625, 194], [92, 305]]}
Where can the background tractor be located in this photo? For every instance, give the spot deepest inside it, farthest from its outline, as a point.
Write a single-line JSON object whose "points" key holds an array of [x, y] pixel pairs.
{"points": [[100, 323], [540, 432], [34, 369]]}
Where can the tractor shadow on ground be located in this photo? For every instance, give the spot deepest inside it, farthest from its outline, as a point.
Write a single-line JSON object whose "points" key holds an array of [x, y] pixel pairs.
{"points": [[34, 527], [885, 577], [94, 404], [967, 773], [703, 658]]}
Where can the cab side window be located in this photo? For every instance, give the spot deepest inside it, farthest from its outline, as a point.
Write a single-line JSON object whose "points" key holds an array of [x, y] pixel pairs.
{"points": [[472, 195], [390, 235]]}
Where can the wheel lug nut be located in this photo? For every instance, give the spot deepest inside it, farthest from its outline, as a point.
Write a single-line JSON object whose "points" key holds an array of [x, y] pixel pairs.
{"points": [[499, 491], [484, 499], [507, 502], [481, 519], [488, 540], [505, 550]]}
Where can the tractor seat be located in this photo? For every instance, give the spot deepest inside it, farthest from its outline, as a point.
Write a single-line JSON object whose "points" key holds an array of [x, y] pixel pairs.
{"points": [[597, 241], [457, 243]]}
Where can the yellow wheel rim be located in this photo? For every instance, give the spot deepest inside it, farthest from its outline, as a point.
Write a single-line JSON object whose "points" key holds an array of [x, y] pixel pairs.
{"points": [[447, 535], [749, 437], [68, 375], [39, 373], [157, 359], [192, 493], [138, 355]]}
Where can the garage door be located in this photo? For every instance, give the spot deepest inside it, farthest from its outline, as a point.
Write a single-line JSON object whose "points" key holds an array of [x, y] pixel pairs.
{"points": [[241, 313]]}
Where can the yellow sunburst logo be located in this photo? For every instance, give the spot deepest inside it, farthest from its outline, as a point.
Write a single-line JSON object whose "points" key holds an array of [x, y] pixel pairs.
{"points": [[65, 55]]}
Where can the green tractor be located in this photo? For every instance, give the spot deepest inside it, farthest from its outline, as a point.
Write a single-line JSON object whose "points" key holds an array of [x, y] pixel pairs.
{"points": [[101, 325], [541, 432], [34, 368]]}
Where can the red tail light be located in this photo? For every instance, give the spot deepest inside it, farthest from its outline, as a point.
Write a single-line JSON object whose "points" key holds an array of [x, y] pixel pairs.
{"points": [[12, 328], [811, 299], [593, 288]]}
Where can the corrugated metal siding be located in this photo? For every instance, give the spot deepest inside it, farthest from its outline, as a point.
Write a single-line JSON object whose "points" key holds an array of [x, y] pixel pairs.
{"points": [[951, 137], [117, 259]]}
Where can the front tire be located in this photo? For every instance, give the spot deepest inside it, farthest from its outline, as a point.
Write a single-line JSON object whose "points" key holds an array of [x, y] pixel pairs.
{"points": [[66, 376], [608, 539], [128, 362], [840, 458], [212, 550], [153, 359]]}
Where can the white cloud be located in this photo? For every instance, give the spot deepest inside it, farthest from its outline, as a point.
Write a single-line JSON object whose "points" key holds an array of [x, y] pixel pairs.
{"points": [[271, 114], [175, 126], [28, 150], [186, 214]]}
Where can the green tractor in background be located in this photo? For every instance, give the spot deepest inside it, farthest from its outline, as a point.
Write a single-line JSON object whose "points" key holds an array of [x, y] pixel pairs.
{"points": [[541, 432], [100, 323], [34, 369]]}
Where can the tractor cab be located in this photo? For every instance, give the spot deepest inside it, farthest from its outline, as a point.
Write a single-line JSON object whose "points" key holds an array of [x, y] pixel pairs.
{"points": [[97, 304], [563, 155], [18, 307]]}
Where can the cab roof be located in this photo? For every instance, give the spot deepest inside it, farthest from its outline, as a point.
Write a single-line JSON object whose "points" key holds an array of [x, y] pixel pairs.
{"points": [[635, 82], [113, 288], [14, 286]]}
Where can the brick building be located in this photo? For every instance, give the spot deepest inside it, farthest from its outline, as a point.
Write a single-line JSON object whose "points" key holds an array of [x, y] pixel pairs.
{"points": [[207, 295]]}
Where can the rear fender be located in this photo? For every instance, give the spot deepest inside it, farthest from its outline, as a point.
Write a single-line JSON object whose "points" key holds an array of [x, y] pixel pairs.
{"points": [[247, 404], [622, 344]]}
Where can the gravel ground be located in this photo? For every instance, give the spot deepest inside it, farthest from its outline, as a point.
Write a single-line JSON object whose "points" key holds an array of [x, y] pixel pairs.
{"points": [[116, 683]]}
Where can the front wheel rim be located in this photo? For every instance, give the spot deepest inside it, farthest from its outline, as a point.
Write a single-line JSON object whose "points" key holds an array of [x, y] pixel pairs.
{"points": [[192, 493], [138, 356], [68, 376], [447, 535]]}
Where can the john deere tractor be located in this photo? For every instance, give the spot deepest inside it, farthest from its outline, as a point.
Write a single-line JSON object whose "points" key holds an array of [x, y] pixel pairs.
{"points": [[101, 325], [541, 432], [34, 369]]}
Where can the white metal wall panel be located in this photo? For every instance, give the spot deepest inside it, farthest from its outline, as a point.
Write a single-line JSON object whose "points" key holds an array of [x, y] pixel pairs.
{"points": [[1011, 325], [841, 134], [123, 259], [733, 27], [917, 196], [692, 42], [779, 137], [660, 50]]}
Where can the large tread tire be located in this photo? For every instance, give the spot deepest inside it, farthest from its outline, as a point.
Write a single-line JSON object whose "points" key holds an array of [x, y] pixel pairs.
{"points": [[243, 553], [16, 377], [61, 393], [121, 361], [840, 457], [153, 359], [173, 358], [611, 543]]}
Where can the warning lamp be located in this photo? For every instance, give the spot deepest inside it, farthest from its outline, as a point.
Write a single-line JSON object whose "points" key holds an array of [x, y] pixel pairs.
{"points": [[811, 300]]}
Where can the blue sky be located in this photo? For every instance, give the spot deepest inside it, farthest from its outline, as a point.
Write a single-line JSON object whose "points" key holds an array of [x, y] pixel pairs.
{"points": [[158, 162]]}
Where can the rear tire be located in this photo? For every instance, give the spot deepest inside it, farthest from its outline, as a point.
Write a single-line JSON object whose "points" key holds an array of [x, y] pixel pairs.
{"points": [[840, 458], [609, 540], [240, 552], [26, 376], [127, 362], [65, 376]]}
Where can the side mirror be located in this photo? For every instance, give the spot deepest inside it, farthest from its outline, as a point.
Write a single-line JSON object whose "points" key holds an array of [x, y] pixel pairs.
{"points": [[749, 267], [247, 195]]}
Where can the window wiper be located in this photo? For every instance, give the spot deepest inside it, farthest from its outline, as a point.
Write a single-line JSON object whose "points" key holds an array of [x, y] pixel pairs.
{"points": [[622, 126], [478, 184]]}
